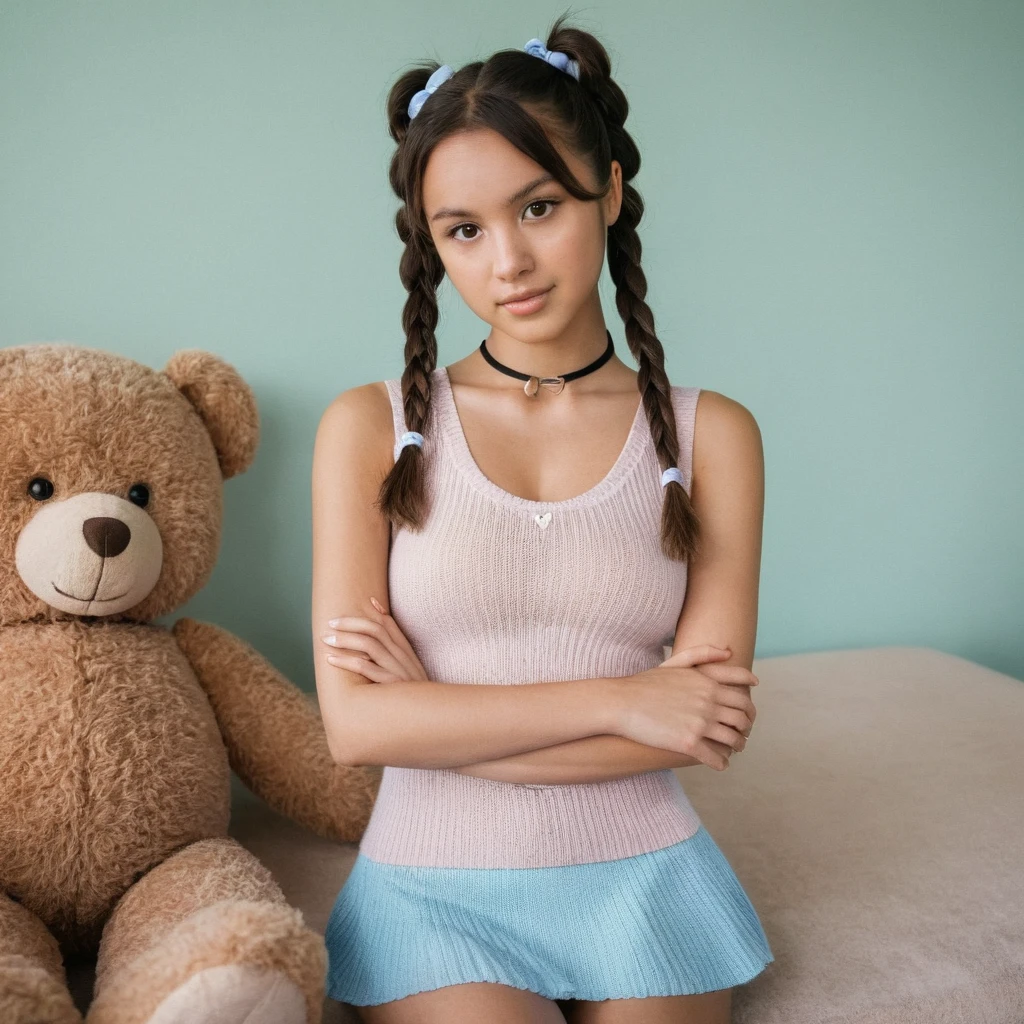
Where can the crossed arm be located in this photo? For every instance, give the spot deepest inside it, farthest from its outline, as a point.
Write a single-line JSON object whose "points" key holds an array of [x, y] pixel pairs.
{"points": [[591, 759], [720, 607]]}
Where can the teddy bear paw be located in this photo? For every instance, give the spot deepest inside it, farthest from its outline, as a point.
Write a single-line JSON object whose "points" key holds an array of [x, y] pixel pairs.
{"points": [[233, 994], [30, 995]]}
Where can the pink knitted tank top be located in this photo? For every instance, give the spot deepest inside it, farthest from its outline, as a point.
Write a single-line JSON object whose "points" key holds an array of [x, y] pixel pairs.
{"points": [[500, 589]]}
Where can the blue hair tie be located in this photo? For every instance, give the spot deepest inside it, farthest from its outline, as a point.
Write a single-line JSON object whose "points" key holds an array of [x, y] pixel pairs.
{"points": [[672, 473], [441, 75], [555, 58], [409, 437], [536, 47]]}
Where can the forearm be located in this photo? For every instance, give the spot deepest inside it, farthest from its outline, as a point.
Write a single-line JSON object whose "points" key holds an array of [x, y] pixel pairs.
{"points": [[591, 759], [425, 724]]}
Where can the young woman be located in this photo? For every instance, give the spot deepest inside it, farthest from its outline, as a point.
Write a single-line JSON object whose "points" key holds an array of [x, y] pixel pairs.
{"points": [[532, 517]]}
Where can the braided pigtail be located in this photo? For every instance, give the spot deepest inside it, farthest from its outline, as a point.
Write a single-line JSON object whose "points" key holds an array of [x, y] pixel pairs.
{"points": [[401, 497], [680, 526], [571, 94], [679, 522]]}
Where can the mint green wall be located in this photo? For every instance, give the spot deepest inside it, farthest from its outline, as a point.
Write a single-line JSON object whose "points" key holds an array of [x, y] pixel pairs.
{"points": [[833, 238]]}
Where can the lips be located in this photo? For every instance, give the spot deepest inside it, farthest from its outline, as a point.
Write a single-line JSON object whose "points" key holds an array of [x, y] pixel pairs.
{"points": [[525, 295]]}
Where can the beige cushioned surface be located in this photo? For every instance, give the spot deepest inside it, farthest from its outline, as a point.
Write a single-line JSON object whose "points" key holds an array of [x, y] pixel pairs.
{"points": [[876, 819]]}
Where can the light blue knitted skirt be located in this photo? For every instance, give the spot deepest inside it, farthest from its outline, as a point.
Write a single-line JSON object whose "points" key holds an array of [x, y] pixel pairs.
{"points": [[675, 921]]}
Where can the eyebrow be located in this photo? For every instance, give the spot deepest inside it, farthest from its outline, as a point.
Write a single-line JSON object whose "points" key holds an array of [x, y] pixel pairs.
{"points": [[448, 211]]}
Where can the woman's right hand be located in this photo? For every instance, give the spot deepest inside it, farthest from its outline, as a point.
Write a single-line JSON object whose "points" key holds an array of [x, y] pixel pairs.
{"points": [[705, 712]]}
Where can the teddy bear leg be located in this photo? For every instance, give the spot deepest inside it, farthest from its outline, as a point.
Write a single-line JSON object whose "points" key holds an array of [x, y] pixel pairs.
{"points": [[208, 935], [33, 986]]}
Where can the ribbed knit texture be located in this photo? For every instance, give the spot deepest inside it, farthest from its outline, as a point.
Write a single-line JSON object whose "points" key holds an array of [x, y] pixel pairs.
{"points": [[671, 922], [488, 593]]}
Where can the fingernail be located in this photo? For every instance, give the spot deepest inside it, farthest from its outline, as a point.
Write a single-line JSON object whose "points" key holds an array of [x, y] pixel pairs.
{"points": [[331, 639], [334, 623]]}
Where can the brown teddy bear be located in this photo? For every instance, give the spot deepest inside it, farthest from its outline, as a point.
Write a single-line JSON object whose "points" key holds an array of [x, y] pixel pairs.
{"points": [[117, 734]]}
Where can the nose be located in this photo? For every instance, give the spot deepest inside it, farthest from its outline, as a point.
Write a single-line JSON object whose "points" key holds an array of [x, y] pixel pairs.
{"points": [[107, 537], [512, 257]]}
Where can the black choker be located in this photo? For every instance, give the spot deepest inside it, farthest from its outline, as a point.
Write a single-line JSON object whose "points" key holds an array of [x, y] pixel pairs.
{"points": [[554, 384]]}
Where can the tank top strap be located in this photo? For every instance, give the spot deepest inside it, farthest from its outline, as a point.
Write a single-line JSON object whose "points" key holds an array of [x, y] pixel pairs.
{"points": [[394, 387], [436, 413], [684, 404]]}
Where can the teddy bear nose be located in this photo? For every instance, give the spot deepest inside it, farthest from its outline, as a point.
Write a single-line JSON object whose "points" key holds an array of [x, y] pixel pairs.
{"points": [[106, 536]]}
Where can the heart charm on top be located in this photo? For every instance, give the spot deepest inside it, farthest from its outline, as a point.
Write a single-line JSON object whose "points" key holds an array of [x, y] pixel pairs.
{"points": [[542, 520]]}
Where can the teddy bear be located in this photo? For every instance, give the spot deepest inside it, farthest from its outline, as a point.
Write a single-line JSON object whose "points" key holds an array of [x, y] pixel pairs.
{"points": [[118, 735]]}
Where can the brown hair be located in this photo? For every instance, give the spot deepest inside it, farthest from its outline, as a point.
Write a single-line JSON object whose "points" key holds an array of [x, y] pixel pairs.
{"points": [[589, 115]]}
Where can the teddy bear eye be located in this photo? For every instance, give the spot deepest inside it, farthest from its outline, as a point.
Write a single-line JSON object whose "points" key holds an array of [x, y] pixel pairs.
{"points": [[40, 488], [139, 494]]}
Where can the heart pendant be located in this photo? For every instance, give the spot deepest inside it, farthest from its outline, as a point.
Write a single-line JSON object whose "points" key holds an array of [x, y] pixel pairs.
{"points": [[542, 520]]}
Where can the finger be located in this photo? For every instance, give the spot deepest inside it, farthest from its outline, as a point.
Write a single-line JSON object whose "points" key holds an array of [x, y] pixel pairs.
{"points": [[352, 641], [725, 734], [388, 632], [401, 650], [706, 754], [416, 669], [736, 718], [386, 653], [363, 666], [396, 634], [691, 656], [729, 674], [722, 749], [734, 697]]}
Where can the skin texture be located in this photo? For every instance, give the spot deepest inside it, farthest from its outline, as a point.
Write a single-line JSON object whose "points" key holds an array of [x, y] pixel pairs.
{"points": [[496, 251], [116, 734], [501, 251], [504, 250]]}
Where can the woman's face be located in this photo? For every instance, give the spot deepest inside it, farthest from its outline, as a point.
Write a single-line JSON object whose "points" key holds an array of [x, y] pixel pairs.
{"points": [[544, 238]]}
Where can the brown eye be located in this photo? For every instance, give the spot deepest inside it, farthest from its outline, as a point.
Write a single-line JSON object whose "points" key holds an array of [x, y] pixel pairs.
{"points": [[139, 495], [544, 202], [40, 488], [461, 227]]}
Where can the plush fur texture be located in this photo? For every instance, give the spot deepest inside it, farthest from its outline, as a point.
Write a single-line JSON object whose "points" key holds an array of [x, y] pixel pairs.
{"points": [[116, 735]]}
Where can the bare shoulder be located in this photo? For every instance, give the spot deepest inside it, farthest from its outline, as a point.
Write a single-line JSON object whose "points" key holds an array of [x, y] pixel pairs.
{"points": [[726, 437], [368, 403], [351, 458], [728, 498], [360, 424]]}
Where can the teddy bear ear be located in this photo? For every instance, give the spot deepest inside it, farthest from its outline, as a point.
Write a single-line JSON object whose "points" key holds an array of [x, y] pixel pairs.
{"points": [[225, 402]]}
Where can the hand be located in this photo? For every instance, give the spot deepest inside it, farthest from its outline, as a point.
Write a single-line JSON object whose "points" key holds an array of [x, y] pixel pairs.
{"points": [[705, 712], [384, 654], [721, 748]]}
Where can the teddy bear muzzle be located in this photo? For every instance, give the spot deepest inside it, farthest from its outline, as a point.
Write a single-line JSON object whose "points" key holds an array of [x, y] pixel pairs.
{"points": [[90, 554]]}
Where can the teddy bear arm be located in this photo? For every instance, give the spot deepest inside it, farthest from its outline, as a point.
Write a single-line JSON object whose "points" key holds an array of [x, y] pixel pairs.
{"points": [[275, 737]]}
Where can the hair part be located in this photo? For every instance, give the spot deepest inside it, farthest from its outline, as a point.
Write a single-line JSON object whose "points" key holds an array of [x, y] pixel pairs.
{"points": [[589, 116]]}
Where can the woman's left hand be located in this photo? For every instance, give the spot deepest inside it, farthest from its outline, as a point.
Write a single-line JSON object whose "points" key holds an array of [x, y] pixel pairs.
{"points": [[375, 648]]}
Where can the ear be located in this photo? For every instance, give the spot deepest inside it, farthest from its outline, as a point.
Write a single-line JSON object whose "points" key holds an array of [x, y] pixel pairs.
{"points": [[224, 401], [613, 200]]}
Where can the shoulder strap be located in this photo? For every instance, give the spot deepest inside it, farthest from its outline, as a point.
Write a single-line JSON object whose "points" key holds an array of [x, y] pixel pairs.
{"points": [[394, 387], [684, 402]]}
